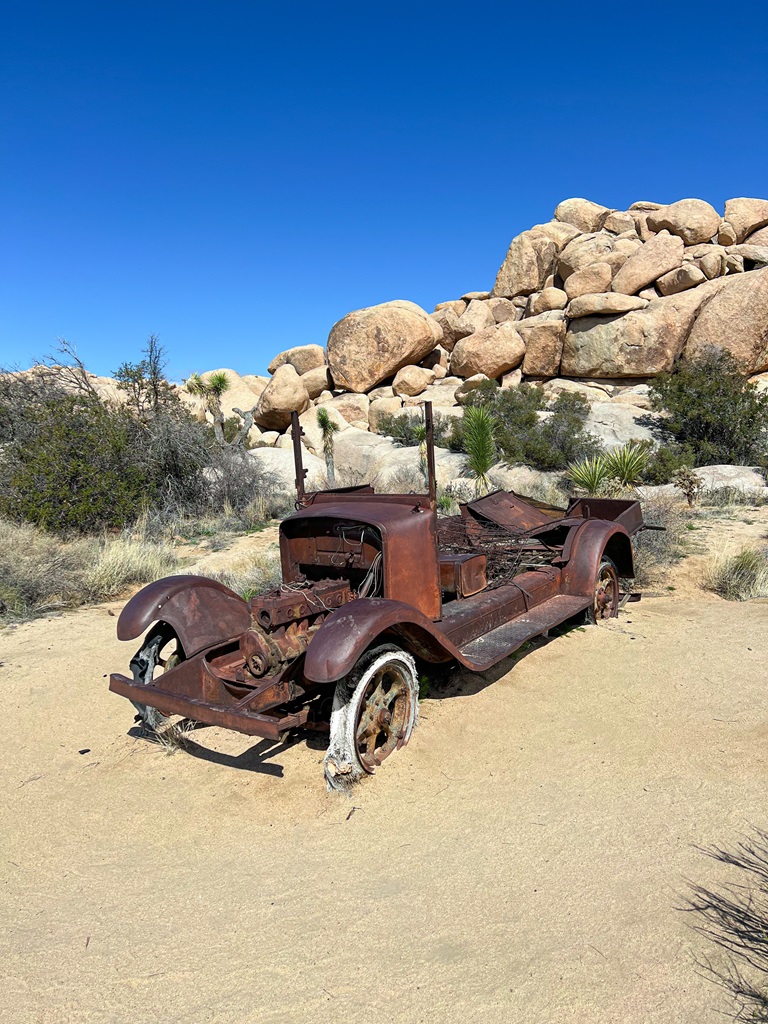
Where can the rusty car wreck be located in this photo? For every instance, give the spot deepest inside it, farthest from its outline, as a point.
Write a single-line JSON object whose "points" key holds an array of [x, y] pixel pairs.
{"points": [[374, 585]]}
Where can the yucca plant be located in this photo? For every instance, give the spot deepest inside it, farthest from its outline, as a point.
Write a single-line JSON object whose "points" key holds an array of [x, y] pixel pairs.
{"points": [[479, 444], [626, 464], [327, 428], [591, 474]]}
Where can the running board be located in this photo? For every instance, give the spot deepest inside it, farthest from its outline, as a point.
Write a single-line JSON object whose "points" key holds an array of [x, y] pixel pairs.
{"points": [[490, 648]]}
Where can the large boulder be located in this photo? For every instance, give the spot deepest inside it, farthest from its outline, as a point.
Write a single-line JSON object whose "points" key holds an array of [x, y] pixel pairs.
{"points": [[355, 452], [546, 300], [284, 394], [312, 432], [693, 220], [603, 304], [280, 472], [616, 424], [354, 408], [492, 351], [529, 262], [465, 389], [583, 251], [504, 309], [412, 380], [759, 237], [369, 345], [582, 214], [317, 381], [448, 319], [735, 320], [641, 343], [543, 337], [302, 358], [662, 254], [475, 317], [619, 223], [746, 216], [381, 408], [687, 276], [592, 280]]}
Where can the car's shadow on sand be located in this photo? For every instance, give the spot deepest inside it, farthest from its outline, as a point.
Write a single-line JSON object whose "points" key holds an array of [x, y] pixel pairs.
{"points": [[257, 758]]}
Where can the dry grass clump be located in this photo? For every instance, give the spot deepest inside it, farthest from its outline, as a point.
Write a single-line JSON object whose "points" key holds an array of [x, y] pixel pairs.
{"points": [[40, 572], [124, 561], [251, 575], [739, 577], [657, 550]]}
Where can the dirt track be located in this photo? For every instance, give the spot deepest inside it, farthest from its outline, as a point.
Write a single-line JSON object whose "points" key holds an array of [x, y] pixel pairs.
{"points": [[521, 860]]}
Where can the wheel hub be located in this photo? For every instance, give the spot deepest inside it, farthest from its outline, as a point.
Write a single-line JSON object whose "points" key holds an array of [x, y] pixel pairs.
{"points": [[384, 710]]}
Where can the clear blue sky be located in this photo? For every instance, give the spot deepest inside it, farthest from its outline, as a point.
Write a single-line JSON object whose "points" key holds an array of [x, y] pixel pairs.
{"points": [[236, 176]]}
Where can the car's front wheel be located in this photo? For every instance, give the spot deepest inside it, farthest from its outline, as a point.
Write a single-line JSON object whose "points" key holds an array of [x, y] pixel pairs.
{"points": [[375, 709]]}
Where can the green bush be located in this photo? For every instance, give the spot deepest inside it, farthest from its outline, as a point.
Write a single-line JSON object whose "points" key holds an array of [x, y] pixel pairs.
{"points": [[713, 412], [408, 431], [665, 460], [549, 442]]}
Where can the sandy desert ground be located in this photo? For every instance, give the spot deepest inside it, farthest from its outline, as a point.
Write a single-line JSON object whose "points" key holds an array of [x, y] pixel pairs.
{"points": [[523, 859]]}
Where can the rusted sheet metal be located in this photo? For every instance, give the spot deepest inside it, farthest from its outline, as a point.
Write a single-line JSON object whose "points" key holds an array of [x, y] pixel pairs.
{"points": [[462, 574], [584, 548], [628, 514], [203, 612], [506, 509], [408, 539], [171, 703]]}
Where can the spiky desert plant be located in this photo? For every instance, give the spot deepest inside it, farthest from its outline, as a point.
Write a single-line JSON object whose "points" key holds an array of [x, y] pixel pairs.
{"points": [[626, 464], [211, 391], [591, 474], [479, 444], [327, 428]]}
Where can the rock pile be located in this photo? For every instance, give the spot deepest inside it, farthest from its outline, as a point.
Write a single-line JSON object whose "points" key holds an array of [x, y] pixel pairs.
{"points": [[596, 301]]}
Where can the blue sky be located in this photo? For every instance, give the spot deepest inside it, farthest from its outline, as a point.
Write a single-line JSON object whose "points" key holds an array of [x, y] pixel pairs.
{"points": [[236, 176]]}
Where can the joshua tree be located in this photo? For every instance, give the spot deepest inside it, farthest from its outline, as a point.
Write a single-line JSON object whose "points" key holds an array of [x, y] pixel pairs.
{"points": [[328, 429], [479, 444], [211, 391]]}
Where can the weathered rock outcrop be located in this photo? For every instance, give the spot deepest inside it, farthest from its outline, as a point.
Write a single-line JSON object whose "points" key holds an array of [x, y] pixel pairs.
{"points": [[369, 345], [735, 320], [605, 296]]}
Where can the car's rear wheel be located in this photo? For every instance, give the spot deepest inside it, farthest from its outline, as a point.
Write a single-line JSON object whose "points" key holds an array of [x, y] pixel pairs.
{"points": [[160, 652], [605, 602], [375, 708]]}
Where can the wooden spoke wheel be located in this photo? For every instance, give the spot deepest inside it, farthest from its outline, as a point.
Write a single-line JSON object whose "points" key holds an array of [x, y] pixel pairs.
{"points": [[374, 713]]}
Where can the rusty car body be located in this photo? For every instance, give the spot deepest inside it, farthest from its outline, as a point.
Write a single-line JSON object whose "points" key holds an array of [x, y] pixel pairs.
{"points": [[376, 588]]}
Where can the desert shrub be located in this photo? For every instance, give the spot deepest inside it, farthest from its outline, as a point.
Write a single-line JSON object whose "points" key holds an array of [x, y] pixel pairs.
{"points": [[657, 550], [610, 472], [254, 574], [530, 433], [739, 577], [665, 460], [711, 408], [409, 432], [40, 572], [72, 465]]}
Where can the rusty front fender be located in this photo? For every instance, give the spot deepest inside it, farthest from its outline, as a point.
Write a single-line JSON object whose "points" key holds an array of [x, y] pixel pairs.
{"points": [[202, 612], [341, 640], [584, 549]]}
